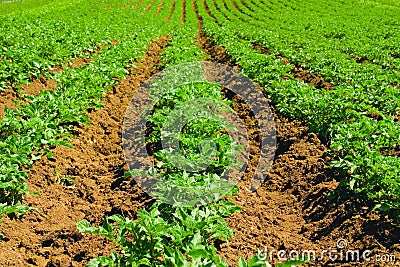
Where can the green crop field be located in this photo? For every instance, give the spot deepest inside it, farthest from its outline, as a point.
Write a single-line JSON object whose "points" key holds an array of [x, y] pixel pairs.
{"points": [[72, 72]]}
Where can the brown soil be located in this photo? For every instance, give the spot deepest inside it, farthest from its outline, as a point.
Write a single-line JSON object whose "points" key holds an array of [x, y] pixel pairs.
{"points": [[292, 209], [160, 7], [224, 3], [216, 6], [301, 74], [219, 10], [137, 4], [359, 59], [262, 49], [235, 5], [7, 99], [216, 52], [9, 96], [125, 5], [171, 11], [101, 46], [82, 61], [312, 78], [148, 7], [207, 9], [183, 15], [244, 3], [49, 237], [76, 63], [39, 85]]}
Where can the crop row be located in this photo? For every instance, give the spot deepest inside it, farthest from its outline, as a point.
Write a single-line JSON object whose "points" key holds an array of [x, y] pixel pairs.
{"points": [[47, 120], [36, 40], [179, 234], [356, 119], [164, 235], [338, 26], [323, 56]]}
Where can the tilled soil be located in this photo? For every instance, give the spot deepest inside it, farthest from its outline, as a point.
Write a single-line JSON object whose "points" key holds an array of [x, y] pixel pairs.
{"points": [[160, 7], [293, 209], [183, 14], [125, 5], [49, 236], [9, 96], [137, 4], [171, 11], [300, 73], [148, 7], [7, 99], [311, 78]]}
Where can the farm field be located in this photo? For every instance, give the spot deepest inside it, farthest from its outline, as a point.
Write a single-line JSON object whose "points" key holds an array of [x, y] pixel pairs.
{"points": [[199, 133]]}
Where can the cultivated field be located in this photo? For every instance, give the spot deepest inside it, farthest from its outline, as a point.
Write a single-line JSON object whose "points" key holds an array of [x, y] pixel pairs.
{"points": [[199, 133]]}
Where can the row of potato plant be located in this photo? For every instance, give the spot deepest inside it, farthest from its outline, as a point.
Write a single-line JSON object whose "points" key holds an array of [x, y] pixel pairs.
{"points": [[362, 145], [46, 120], [179, 235]]}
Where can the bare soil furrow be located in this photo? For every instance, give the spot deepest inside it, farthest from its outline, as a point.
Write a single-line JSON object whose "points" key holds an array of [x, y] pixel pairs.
{"points": [[160, 7], [125, 5], [9, 96], [300, 73], [235, 5], [171, 11], [209, 11], [137, 4], [95, 168], [148, 7], [293, 209], [219, 10], [183, 15]]}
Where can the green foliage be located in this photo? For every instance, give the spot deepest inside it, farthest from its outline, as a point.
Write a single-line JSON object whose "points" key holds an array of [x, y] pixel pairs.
{"points": [[165, 236], [179, 235], [388, 2], [358, 54], [46, 120], [357, 117]]}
